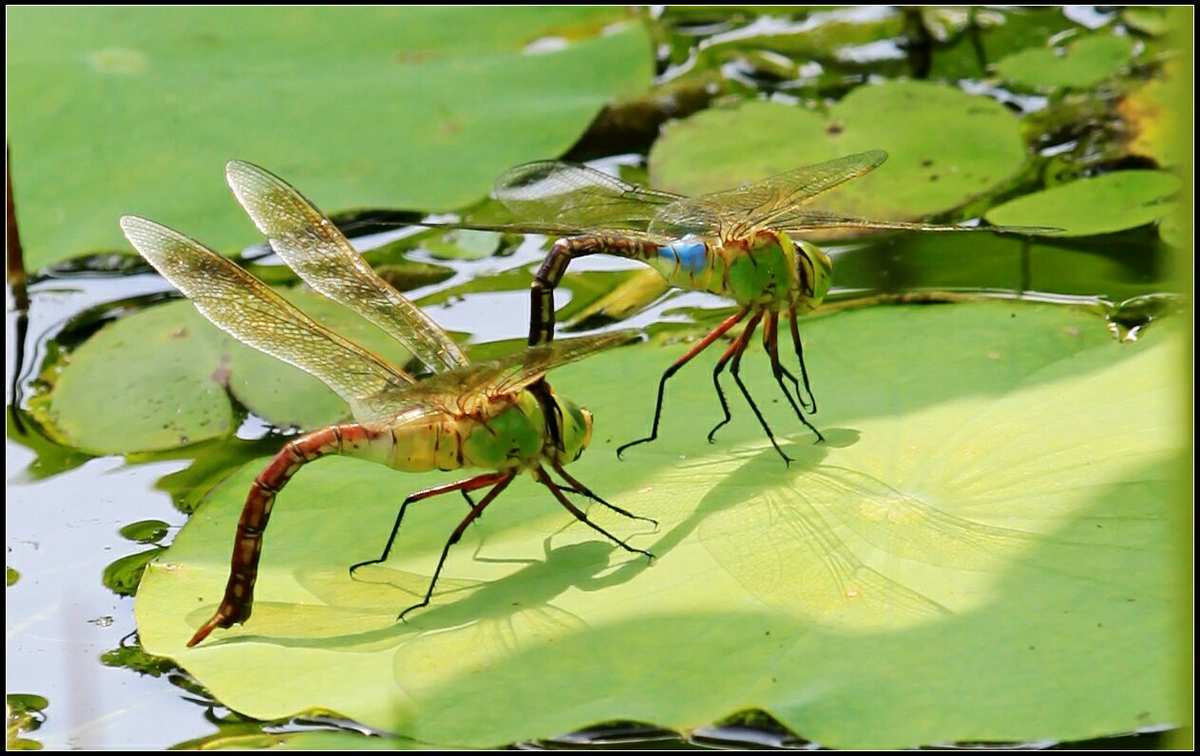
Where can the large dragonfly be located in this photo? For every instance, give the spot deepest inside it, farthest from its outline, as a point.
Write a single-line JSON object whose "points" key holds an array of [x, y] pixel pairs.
{"points": [[743, 243], [499, 416]]}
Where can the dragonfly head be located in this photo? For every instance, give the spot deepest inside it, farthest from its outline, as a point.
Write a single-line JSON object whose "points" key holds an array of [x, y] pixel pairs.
{"points": [[575, 430], [814, 274]]}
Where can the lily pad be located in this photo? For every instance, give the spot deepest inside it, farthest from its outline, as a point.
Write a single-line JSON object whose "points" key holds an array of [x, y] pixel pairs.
{"points": [[931, 132], [464, 244], [1084, 63], [118, 110], [1152, 21], [181, 369], [1100, 205], [982, 550]]}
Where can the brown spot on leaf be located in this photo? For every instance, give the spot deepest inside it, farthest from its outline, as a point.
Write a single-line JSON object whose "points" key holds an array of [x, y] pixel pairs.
{"points": [[412, 57], [834, 129]]}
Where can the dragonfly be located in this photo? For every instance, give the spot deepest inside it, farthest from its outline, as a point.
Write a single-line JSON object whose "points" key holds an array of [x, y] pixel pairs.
{"points": [[743, 243], [499, 416]]}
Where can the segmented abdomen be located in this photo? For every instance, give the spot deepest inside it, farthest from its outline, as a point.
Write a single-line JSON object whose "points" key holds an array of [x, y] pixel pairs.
{"points": [[247, 544]]}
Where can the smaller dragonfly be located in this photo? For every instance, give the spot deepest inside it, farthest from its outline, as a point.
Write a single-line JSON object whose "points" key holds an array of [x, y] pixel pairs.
{"points": [[500, 416], [742, 243]]}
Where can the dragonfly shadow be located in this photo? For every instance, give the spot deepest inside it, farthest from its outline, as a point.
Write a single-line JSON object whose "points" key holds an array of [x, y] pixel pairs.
{"points": [[760, 467], [370, 602]]}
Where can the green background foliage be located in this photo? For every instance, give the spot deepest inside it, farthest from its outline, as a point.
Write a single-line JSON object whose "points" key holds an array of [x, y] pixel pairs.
{"points": [[135, 110]]}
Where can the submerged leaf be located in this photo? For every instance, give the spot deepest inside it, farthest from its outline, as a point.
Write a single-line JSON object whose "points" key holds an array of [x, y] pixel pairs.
{"points": [[979, 551]]}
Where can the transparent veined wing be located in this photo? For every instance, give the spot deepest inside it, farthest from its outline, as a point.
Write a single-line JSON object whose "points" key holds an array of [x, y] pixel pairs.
{"points": [[313, 247], [739, 212], [244, 307], [802, 219], [512, 373], [576, 199]]}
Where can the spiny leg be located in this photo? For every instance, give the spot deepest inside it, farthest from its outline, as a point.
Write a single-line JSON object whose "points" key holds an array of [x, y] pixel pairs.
{"points": [[581, 489], [580, 515], [812, 400], [700, 346], [503, 480], [470, 484], [736, 370], [771, 342], [738, 345]]}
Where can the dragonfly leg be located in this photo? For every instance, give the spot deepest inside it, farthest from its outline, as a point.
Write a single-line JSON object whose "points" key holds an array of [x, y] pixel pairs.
{"points": [[470, 484], [738, 345], [580, 515], [700, 346], [582, 490], [811, 405], [501, 480], [736, 370], [771, 342]]}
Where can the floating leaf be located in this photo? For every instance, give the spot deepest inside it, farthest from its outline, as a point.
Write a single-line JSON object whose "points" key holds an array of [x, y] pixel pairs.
{"points": [[1152, 21], [464, 244], [980, 551], [145, 531], [1110, 202], [931, 132], [1084, 63], [179, 367], [122, 576], [136, 109]]}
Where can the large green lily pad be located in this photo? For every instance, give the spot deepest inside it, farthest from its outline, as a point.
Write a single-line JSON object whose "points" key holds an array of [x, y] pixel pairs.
{"points": [[932, 133], [1101, 205], [1084, 63], [980, 551], [178, 371], [136, 109]]}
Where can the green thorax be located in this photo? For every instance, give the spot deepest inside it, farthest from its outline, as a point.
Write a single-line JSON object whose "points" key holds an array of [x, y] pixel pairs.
{"points": [[517, 435]]}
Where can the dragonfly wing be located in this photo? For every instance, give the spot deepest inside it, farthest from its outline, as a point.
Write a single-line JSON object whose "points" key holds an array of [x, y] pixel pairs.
{"points": [[739, 212], [801, 220], [244, 307], [313, 247], [576, 199], [514, 372]]}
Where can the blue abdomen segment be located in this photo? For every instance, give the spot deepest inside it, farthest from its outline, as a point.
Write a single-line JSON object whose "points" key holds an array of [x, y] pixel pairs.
{"points": [[690, 254]]}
